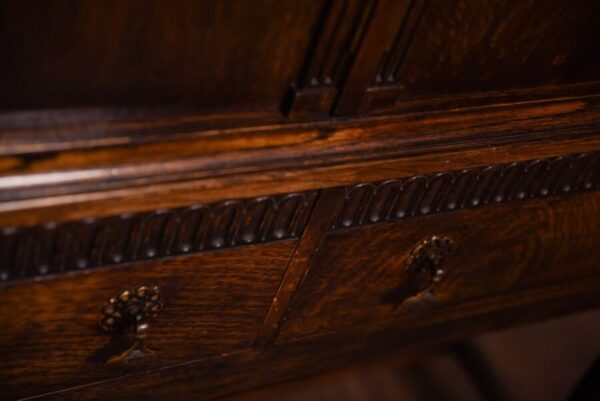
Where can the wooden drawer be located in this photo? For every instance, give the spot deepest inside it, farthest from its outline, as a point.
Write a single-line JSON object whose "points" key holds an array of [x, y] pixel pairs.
{"points": [[360, 275], [213, 304]]}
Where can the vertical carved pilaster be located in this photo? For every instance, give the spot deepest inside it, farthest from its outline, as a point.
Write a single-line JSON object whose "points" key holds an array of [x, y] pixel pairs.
{"points": [[334, 44]]}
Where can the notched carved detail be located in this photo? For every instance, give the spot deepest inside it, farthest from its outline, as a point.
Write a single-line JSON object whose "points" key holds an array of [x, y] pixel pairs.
{"points": [[55, 248], [369, 203], [386, 85], [423, 273], [334, 44]]}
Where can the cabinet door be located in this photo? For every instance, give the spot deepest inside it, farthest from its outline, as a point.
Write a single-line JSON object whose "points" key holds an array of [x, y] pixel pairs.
{"points": [[385, 55], [347, 45], [214, 56]]}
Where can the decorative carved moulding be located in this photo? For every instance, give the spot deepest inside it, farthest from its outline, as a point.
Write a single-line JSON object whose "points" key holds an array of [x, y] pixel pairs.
{"points": [[335, 42], [386, 85], [416, 196], [27, 252]]}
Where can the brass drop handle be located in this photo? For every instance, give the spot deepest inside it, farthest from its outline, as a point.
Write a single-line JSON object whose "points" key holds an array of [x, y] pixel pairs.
{"points": [[423, 269], [130, 313]]}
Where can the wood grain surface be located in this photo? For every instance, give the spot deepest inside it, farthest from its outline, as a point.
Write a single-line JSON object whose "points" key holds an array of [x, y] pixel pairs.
{"points": [[498, 249], [362, 151], [124, 115], [236, 372], [210, 55], [214, 303], [321, 218]]}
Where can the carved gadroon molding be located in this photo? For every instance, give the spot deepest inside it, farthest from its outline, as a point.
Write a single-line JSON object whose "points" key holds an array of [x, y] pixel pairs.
{"points": [[405, 198], [55, 248]]}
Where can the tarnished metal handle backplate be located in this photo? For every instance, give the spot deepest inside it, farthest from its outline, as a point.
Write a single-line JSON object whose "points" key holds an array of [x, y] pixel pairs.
{"points": [[129, 314], [423, 271]]}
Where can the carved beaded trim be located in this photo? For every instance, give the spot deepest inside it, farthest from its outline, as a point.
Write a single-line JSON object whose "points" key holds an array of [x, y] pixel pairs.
{"points": [[416, 196], [55, 248]]}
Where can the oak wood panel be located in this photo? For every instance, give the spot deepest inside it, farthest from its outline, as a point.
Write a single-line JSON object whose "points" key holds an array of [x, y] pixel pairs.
{"points": [[388, 17], [499, 249], [213, 55], [213, 377], [335, 42], [214, 303], [162, 105], [465, 46]]}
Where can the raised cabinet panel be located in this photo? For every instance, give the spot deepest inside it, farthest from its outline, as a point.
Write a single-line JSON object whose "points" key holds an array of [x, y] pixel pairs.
{"points": [[418, 49], [212, 55], [464, 46]]}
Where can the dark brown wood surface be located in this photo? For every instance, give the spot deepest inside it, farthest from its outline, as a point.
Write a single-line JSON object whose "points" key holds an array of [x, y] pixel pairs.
{"points": [[552, 358], [340, 57], [446, 191], [235, 372], [213, 303], [113, 112], [499, 249], [209, 55], [387, 17], [472, 46], [124, 179], [321, 218], [51, 248]]}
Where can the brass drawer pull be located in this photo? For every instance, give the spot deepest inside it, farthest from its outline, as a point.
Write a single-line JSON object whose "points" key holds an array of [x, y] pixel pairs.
{"points": [[130, 313], [422, 268]]}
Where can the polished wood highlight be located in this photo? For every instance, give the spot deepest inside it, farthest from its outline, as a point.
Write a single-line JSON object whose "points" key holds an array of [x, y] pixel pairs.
{"points": [[132, 178]]}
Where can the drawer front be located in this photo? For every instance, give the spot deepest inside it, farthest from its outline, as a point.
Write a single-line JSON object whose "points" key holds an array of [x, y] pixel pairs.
{"points": [[387, 271], [212, 303]]}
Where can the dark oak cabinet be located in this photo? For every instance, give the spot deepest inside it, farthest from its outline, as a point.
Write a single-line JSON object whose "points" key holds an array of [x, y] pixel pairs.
{"points": [[200, 197]]}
